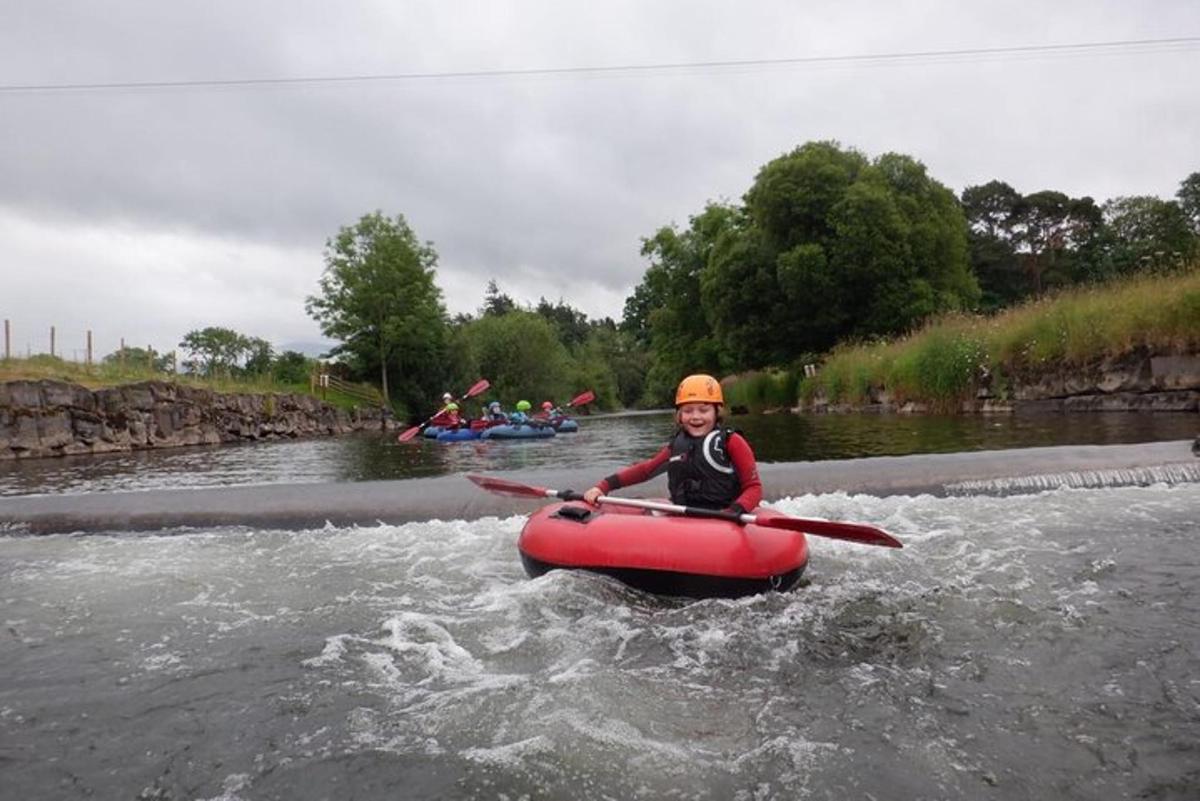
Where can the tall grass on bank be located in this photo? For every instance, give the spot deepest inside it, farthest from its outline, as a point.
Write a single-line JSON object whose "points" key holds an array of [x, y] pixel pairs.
{"points": [[950, 358], [108, 374], [759, 390]]}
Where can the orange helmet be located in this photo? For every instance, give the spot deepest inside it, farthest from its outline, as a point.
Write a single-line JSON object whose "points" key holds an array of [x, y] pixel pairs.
{"points": [[699, 388]]}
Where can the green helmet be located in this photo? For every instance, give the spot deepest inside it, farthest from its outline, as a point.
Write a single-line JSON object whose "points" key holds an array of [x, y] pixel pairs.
{"points": [[523, 406]]}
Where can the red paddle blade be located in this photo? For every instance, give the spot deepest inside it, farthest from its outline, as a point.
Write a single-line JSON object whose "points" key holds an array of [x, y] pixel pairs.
{"points": [[502, 487], [480, 386], [850, 532], [409, 434], [582, 398]]}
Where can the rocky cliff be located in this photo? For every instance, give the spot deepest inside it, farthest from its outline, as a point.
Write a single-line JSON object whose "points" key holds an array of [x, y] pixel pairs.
{"points": [[54, 418]]}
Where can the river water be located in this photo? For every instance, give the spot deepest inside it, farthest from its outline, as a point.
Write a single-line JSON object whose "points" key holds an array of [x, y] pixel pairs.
{"points": [[1025, 646], [602, 443]]}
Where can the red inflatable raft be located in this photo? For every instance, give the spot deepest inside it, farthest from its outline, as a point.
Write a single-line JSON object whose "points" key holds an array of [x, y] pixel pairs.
{"points": [[664, 554]]}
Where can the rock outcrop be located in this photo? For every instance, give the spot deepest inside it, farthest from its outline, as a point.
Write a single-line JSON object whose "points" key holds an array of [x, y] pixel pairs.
{"points": [[55, 418], [1137, 381]]}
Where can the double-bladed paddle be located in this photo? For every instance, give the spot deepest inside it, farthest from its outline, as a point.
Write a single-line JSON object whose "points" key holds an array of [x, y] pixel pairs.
{"points": [[851, 532], [582, 398], [479, 386]]}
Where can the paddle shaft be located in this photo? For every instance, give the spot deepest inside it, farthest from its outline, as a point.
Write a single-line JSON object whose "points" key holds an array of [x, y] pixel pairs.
{"points": [[850, 532], [669, 508]]}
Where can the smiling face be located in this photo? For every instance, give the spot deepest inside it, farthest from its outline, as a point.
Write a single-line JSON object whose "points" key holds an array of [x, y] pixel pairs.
{"points": [[697, 419]]}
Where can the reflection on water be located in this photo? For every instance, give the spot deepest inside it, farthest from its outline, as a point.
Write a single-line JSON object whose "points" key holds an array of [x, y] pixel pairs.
{"points": [[602, 443]]}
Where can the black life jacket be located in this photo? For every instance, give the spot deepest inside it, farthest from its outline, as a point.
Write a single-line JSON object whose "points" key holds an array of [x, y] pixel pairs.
{"points": [[700, 472]]}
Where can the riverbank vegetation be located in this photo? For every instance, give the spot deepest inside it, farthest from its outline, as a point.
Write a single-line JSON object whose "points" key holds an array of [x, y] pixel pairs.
{"points": [[139, 365], [951, 358], [830, 247]]}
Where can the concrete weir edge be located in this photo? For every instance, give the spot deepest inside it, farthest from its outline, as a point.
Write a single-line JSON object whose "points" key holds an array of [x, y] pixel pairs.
{"points": [[307, 506]]}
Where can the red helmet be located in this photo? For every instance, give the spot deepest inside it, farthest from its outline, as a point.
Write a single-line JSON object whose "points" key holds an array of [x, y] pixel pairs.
{"points": [[547, 405]]}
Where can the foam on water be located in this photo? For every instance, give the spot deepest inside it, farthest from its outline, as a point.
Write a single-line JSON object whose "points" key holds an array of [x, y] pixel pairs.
{"points": [[1016, 643], [1081, 479]]}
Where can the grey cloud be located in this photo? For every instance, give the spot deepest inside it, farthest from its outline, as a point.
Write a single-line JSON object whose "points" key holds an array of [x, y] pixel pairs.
{"points": [[551, 181]]}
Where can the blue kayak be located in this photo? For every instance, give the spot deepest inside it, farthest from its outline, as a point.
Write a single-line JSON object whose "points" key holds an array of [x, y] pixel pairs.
{"points": [[565, 425], [457, 435], [431, 432], [523, 431]]}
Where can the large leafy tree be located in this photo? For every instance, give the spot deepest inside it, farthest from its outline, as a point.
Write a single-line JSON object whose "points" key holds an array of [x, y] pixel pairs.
{"points": [[378, 297], [992, 211], [1052, 229], [828, 244], [519, 352], [674, 321], [835, 245], [1147, 231], [215, 350]]}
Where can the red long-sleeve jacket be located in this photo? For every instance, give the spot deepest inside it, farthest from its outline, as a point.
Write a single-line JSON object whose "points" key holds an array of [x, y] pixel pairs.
{"points": [[744, 467]]}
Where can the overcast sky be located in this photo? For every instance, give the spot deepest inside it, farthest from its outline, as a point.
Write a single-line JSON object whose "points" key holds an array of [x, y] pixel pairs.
{"points": [[145, 213]]}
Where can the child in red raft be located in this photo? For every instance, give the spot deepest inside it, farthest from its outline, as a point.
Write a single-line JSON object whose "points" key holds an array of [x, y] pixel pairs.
{"points": [[707, 465]]}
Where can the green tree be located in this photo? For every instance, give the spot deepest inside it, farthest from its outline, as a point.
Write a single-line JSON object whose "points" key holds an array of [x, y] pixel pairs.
{"points": [[141, 357], [1189, 200], [992, 210], [520, 354], [835, 246], [570, 323], [259, 356], [292, 367], [495, 302], [1147, 231], [677, 327], [214, 350], [1051, 227], [378, 297]]}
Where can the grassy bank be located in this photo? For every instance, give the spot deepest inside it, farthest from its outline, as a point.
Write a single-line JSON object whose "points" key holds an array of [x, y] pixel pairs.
{"points": [[107, 374], [760, 390], [947, 361]]}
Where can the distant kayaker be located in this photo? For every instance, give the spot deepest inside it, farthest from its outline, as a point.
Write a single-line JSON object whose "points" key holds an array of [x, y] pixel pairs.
{"points": [[447, 416], [493, 414], [521, 415], [707, 464], [549, 411]]}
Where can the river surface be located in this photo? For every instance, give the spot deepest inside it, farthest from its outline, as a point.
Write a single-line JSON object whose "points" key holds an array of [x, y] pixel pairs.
{"points": [[1024, 646], [603, 442]]}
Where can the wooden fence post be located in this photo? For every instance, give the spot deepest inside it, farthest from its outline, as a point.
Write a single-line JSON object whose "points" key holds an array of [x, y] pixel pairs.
{"points": [[51, 341], [7, 340], [89, 348]]}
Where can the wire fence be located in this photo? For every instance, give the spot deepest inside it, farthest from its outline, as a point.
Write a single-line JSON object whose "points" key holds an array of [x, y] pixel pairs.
{"points": [[131, 362], [78, 350]]}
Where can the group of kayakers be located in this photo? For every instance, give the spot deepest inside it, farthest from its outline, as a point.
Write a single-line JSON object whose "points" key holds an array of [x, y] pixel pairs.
{"points": [[451, 416]]}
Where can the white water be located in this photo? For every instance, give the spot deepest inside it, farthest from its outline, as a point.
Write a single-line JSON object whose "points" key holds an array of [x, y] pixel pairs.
{"points": [[1026, 646]]}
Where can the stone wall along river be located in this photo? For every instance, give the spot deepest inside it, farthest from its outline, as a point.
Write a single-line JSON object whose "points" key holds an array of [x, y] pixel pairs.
{"points": [[55, 418]]}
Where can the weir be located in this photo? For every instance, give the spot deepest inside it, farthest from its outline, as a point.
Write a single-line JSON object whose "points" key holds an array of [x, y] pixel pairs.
{"points": [[306, 506]]}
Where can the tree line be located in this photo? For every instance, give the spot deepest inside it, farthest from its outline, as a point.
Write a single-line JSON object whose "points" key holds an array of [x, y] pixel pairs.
{"points": [[827, 245], [378, 297]]}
